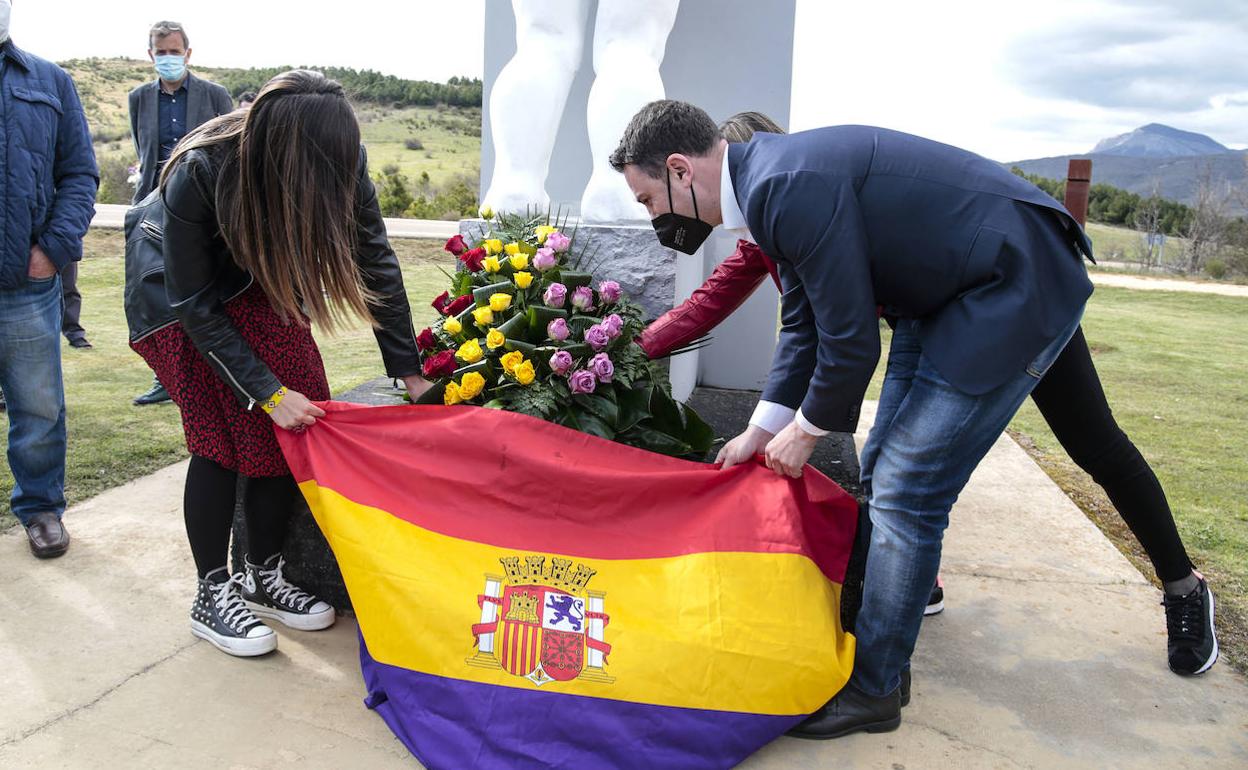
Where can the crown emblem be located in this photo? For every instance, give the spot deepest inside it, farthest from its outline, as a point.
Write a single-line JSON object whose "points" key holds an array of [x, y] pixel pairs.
{"points": [[559, 573]]}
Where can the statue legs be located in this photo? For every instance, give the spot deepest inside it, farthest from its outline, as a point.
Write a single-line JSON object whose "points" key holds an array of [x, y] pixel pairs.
{"points": [[630, 37], [527, 102]]}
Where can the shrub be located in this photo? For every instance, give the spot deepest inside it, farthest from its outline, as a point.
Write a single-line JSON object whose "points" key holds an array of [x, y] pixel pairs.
{"points": [[1216, 269], [414, 144], [114, 181], [393, 195]]}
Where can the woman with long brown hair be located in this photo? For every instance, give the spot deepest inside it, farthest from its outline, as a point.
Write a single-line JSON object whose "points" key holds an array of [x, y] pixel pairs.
{"points": [[270, 223]]}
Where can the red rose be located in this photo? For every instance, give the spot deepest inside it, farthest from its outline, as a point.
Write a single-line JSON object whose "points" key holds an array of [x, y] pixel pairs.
{"points": [[440, 365], [456, 245], [472, 259], [458, 304], [439, 304], [426, 341]]}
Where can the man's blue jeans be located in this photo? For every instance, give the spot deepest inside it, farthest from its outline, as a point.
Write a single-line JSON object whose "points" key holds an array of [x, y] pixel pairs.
{"points": [[927, 439], [30, 376]]}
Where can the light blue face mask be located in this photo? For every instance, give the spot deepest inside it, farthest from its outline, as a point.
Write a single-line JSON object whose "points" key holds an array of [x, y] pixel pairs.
{"points": [[171, 68]]}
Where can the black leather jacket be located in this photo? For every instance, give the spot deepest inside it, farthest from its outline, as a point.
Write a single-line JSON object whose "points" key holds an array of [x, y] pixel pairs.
{"points": [[200, 275]]}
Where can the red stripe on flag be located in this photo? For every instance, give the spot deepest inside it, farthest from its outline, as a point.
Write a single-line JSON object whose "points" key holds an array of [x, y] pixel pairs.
{"points": [[513, 481]]}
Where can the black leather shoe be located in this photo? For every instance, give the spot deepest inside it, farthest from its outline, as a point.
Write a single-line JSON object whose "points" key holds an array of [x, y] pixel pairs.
{"points": [[851, 711], [81, 343], [905, 687], [155, 395], [48, 536]]}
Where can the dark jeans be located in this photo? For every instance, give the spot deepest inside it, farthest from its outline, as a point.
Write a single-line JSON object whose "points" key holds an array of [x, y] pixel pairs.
{"points": [[71, 325], [1073, 404]]}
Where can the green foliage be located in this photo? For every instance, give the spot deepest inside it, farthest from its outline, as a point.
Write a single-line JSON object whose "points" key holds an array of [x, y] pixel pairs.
{"points": [[1115, 206], [115, 184], [393, 196], [368, 86]]}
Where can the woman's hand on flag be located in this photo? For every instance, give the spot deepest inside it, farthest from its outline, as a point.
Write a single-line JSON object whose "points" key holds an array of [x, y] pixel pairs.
{"points": [[295, 412], [743, 448]]}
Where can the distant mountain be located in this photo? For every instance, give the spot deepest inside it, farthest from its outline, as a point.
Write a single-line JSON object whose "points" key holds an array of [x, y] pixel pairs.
{"points": [[1158, 141], [1173, 158]]}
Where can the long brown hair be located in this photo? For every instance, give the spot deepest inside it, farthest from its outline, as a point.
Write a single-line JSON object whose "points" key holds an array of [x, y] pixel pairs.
{"points": [[286, 195], [742, 126]]}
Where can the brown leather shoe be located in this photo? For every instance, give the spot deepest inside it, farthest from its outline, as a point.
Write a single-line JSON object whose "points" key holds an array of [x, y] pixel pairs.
{"points": [[48, 536]]}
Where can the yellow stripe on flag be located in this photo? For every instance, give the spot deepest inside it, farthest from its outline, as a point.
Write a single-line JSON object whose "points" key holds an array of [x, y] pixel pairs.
{"points": [[727, 631]]}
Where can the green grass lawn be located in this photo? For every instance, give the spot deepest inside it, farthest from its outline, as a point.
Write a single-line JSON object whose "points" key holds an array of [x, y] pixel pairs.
{"points": [[1172, 364], [111, 441]]}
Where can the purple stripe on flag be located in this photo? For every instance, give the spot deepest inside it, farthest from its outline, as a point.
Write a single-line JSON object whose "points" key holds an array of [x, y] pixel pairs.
{"points": [[452, 723]]}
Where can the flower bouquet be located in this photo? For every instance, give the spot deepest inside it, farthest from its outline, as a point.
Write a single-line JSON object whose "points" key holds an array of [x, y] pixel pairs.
{"points": [[525, 329]]}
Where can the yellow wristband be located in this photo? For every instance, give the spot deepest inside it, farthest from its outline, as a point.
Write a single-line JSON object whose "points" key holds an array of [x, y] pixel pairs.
{"points": [[273, 400]]}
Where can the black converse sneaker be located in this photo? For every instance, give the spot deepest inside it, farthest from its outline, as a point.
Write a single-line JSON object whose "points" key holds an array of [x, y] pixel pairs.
{"points": [[936, 601], [220, 617], [1192, 647], [269, 595]]}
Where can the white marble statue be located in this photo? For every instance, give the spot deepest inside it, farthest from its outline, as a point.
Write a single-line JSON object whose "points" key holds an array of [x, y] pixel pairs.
{"points": [[531, 91]]}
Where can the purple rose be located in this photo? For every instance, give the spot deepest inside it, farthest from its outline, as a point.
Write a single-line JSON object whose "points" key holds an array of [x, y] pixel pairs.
{"points": [[561, 362], [610, 292], [544, 259], [583, 299], [602, 367], [558, 242], [557, 330], [597, 337], [582, 380], [613, 324], [555, 294]]}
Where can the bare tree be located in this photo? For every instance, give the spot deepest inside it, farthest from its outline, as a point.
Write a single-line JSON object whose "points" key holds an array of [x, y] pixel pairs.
{"points": [[1148, 222], [1208, 224]]}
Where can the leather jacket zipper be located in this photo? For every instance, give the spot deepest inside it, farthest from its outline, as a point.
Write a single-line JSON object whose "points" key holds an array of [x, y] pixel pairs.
{"points": [[252, 399]]}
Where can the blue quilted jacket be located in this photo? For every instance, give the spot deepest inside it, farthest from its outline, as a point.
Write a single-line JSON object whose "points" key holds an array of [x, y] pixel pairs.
{"points": [[48, 175]]}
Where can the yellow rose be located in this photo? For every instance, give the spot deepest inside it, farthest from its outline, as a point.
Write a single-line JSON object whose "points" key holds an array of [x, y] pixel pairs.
{"points": [[524, 373], [512, 249], [452, 395], [470, 352], [544, 231], [471, 385], [493, 246], [486, 212], [511, 360], [495, 339], [520, 261], [500, 301], [523, 279], [452, 326], [483, 316], [491, 265]]}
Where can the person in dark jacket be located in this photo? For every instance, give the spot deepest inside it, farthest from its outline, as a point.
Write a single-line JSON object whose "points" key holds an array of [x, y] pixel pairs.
{"points": [[982, 269], [48, 179], [1071, 400], [271, 223], [163, 111]]}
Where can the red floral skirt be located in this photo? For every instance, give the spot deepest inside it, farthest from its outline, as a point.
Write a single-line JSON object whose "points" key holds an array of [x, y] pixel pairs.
{"points": [[217, 426]]}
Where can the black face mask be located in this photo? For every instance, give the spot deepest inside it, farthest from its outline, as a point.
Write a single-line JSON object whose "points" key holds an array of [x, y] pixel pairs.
{"points": [[677, 231]]}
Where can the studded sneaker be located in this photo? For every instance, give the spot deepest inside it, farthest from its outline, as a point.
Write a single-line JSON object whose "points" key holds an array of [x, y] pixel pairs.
{"points": [[1193, 646], [269, 595], [220, 617]]}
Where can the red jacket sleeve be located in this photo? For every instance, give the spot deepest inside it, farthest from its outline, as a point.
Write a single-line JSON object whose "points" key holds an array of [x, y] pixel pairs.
{"points": [[731, 283]]}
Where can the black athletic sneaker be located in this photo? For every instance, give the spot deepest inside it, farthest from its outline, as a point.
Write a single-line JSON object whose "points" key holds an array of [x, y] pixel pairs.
{"points": [[936, 602], [1193, 646], [269, 595], [220, 617]]}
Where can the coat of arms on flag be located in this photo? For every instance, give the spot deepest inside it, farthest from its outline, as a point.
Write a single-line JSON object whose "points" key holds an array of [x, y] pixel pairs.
{"points": [[539, 622]]}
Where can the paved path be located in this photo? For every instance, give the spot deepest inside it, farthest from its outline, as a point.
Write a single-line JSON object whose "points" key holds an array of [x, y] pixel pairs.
{"points": [[1149, 283], [112, 216], [1050, 654]]}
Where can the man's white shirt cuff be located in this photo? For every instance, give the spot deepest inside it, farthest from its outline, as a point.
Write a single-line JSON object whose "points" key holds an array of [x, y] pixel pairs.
{"points": [[771, 417], [809, 426]]}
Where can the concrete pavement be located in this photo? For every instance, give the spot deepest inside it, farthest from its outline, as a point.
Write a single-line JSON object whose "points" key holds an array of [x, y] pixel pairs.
{"points": [[113, 216], [1050, 654]]}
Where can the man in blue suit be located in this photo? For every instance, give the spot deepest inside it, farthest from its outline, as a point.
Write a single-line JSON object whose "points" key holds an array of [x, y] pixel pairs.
{"points": [[980, 272]]}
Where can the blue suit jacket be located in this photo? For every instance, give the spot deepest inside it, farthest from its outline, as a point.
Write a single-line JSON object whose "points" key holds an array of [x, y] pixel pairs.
{"points": [[858, 217]]}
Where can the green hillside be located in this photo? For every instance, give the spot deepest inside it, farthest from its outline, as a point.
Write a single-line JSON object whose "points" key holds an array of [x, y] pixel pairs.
{"points": [[432, 149]]}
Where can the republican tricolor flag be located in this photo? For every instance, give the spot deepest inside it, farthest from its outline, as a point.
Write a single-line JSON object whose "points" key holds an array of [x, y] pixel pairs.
{"points": [[531, 596]]}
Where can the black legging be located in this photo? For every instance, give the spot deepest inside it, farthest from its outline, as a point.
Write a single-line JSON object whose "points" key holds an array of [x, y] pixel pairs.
{"points": [[208, 506], [1073, 404]]}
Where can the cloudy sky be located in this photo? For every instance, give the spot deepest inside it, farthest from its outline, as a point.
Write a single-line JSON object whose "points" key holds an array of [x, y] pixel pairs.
{"points": [[1008, 80]]}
